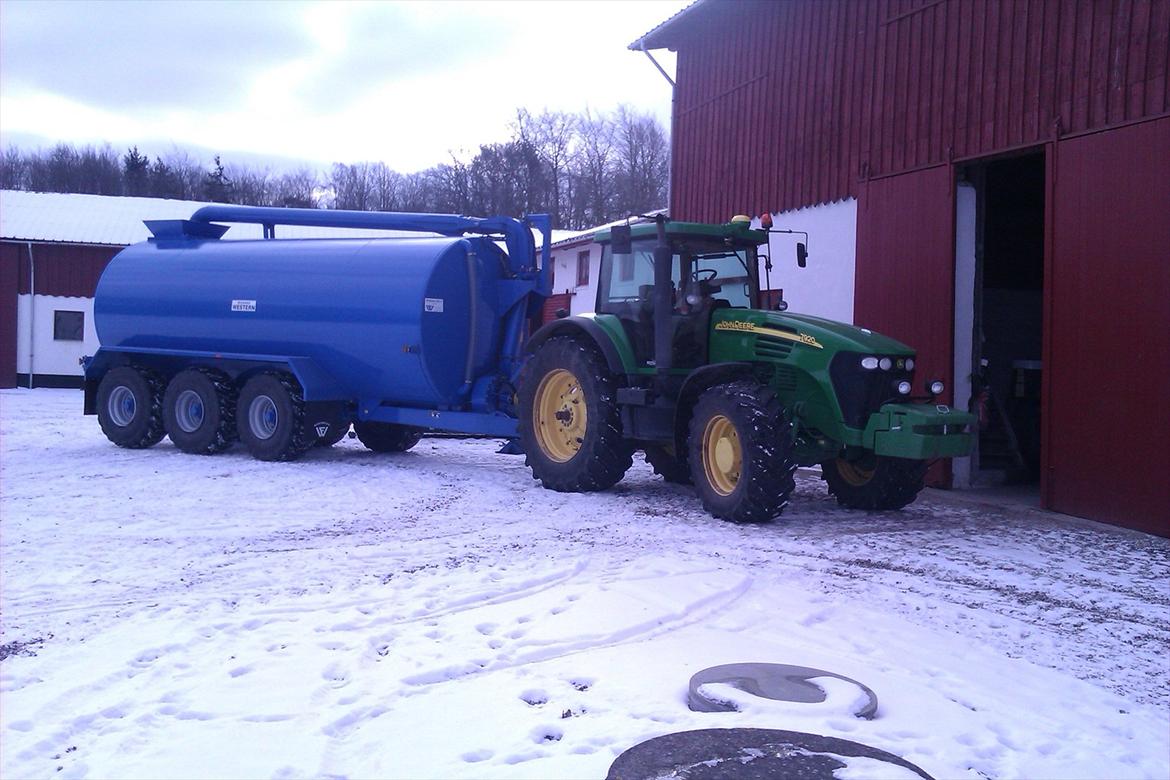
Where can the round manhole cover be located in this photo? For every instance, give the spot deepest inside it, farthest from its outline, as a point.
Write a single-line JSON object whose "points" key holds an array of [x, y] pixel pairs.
{"points": [[756, 754], [780, 682]]}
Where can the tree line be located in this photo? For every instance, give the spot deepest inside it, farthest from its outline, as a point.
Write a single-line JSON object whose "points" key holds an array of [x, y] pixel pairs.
{"points": [[584, 169]]}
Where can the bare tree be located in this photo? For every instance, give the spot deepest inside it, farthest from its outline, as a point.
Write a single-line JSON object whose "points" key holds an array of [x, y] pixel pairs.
{"points": [[551, 135], [13, 170], [593, 166], [295, 190], [644, 158]]}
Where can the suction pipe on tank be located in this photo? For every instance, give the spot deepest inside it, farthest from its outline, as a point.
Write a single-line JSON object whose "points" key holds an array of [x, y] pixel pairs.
{"points": [[517, 236]]}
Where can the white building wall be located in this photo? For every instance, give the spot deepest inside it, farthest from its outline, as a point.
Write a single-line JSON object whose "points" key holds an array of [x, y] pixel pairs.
{"points": [[34, 315], [565, 276], [825, 287]]}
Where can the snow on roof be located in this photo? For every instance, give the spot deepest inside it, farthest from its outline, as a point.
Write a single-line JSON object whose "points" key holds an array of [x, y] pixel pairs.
{"points": [[584, 236], [118, 221]]}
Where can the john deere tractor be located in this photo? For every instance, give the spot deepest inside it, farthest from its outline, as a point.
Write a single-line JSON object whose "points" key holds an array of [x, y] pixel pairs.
{"points": [[683, 361]]}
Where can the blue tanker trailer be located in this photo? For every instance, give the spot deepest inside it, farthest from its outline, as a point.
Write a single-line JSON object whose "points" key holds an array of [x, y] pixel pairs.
{"points": [[283, 344]]}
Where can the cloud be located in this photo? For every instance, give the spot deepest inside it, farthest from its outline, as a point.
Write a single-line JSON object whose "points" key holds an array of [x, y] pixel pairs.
{"points": [[131, 55], [404, 83]]}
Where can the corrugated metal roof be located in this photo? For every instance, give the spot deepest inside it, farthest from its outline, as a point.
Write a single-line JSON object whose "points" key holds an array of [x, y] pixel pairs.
{"points": [[657, 38], [118, 221], [583, 236]]}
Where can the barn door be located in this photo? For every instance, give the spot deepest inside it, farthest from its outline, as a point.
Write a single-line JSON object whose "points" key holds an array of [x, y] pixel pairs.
{"points": [[1107, 352], [904, 283]]}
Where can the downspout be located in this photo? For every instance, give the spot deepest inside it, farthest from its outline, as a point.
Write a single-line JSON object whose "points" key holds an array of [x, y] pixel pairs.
{"points": [[32, 309]]}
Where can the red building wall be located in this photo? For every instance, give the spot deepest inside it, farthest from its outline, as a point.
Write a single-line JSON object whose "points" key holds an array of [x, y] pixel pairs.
{"points": [[787, 104], [9, 280]]}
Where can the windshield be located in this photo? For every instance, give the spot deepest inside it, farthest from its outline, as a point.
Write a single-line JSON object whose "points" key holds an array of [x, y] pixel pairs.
{"points": [[698, 269]]}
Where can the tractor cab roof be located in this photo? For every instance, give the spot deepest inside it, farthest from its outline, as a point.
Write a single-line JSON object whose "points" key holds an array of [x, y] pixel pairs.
{"points": [[739, 233]]}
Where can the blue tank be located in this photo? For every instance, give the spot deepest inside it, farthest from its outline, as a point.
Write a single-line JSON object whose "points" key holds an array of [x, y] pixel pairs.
{"points": [[399, 320]]}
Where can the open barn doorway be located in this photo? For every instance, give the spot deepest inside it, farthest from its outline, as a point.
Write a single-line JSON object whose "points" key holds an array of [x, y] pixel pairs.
{"points": [[999, 338]]}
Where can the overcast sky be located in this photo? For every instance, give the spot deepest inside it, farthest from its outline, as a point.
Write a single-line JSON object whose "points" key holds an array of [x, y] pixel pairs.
{"points": [[401, 82]]}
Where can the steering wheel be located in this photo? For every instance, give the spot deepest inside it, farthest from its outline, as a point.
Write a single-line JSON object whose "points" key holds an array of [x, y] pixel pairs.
{"points": [[698, 274]]}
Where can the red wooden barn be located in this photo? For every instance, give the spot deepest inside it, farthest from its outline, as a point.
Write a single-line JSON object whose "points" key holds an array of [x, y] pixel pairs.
{"points": [[994, 178]]}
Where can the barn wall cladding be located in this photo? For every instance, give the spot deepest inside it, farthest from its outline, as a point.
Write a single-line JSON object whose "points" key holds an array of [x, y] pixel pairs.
{"points": [[784, 105], [798, 102]]}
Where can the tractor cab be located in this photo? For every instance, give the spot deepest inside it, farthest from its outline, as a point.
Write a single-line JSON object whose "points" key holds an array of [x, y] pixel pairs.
{"points": [[711, 268]]}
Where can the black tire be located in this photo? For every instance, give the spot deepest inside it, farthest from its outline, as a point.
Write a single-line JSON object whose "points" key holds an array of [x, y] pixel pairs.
{"points": [[270, 418], [874, 481], [129, 407], [199, 411], [386, 437], [667, 465], [740, 452], [568, 451]]}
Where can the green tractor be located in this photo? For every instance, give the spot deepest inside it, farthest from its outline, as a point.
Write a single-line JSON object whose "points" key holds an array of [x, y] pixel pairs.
{"points": [[682, 361]]}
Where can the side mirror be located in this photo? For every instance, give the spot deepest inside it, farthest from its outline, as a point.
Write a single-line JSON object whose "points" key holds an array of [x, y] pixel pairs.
{"points": [[801, 255], [620, 239]]}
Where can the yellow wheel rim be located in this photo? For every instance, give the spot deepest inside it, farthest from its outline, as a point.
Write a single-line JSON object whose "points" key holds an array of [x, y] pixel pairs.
{"points": [[855, 473], [559, 416], [722, 455]]}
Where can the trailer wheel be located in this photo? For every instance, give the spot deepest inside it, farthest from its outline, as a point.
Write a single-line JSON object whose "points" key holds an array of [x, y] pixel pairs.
{"points": [[741, 452], [270, 418], [386, 437], [667, 464], [569, 423], [874, 481], [129, 407], [199, 411]]}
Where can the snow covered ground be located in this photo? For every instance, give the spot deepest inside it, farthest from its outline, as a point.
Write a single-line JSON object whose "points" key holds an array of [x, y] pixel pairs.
{"points": [[437, 614]]}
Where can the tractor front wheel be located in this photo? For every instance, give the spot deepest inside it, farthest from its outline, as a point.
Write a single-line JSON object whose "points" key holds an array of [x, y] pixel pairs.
{"points": [[874, 481], [741, 452], [569, 423]]}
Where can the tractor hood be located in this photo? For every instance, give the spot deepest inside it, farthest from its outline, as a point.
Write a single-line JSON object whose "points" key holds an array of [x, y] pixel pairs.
{"points": [[837, 335], [812, 331]]}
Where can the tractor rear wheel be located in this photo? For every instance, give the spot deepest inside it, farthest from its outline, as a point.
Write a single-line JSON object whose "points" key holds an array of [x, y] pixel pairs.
{"points": [[570, 426], [129, 407], [386, 437], [874, 481], [741, 452]]}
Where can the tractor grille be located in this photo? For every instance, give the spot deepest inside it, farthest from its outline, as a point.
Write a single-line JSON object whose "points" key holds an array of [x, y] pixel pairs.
{"points": [[785, 377], [861, 392], [772, 348]]}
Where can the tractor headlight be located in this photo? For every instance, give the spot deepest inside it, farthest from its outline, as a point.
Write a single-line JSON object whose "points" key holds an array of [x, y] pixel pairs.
{"points": [[885, 364], [869, 363], [904, 387], [936, 387], [909, 364]]}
